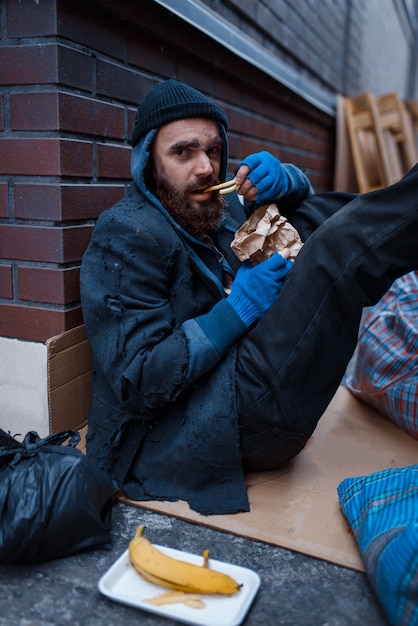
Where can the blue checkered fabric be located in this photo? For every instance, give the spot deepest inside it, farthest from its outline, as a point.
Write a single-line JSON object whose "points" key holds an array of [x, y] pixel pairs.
{"points": [[382, 510]]}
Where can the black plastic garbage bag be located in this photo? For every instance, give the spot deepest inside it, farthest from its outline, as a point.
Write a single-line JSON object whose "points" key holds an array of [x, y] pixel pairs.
{"points": [[53, 500]]}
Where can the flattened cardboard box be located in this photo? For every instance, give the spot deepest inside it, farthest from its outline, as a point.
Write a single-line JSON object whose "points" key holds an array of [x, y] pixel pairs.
{"points": [[70, 381], [297, 507]]}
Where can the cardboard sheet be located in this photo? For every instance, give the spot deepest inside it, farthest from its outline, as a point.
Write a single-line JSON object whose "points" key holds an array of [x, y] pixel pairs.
{"points": [[70, 380], [297, 507]]}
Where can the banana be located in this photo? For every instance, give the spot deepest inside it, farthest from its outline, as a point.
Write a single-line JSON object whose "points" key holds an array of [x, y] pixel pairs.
{"points": [[165, 571]]}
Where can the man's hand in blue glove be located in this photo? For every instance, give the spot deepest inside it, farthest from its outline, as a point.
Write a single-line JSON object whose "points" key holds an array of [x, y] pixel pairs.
{"points": [[261, 177], [255, 288]]}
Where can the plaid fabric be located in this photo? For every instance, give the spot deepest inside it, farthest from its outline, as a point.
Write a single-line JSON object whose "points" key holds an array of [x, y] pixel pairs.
{"points": [[382, 510], [385, 370]]}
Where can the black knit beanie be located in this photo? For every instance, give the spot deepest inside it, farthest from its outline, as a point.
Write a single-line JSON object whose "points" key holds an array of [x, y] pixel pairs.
{"points": [[172, 100]]}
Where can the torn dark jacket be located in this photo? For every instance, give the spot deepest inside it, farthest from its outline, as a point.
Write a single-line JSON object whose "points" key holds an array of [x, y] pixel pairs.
{"points": [[156, 429]]}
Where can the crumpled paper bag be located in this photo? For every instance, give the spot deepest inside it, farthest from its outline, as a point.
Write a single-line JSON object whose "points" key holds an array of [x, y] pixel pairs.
{"points": [[263, 233]]}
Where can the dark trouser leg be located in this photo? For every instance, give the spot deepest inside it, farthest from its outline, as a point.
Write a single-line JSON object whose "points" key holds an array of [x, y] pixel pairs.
{"points": [[291, 363]]}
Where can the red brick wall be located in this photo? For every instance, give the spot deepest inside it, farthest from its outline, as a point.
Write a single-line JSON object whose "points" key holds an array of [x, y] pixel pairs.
{"points": [[71, 76]]}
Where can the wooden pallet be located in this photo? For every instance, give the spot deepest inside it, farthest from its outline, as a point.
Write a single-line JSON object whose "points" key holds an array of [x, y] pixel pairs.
{"points": [[398, 134], [382, 139]]}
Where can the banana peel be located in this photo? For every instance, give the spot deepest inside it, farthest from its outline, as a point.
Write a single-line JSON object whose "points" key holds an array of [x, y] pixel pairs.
{"points": [[170, 573]]}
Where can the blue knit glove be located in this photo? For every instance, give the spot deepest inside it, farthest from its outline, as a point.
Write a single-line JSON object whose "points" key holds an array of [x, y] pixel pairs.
{"points": [[255, 288], [267, 174]]}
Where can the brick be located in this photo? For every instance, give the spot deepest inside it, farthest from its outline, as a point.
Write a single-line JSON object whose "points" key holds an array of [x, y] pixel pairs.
{"points": [[75, 68], [30, 243], [44, 244], [43, 157], [115, 79], [53, 286], [37, 323], [2, 126], [39, 64], [95, 29], [75, 240], [76, 158], [235, 151], [34, 111], [63, 202], [92, 117], [38, 201], [88, 201], [65, 112], [241, 122], [28, 64], [194, 73], [36, 157], [113, 161], [249, 145], [6, 281], [148, 52], [71, 277], [31, 19], [4, 200]]}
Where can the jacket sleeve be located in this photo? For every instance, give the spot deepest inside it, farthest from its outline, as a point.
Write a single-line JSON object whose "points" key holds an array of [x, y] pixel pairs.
{"points": [[299, 185], [209, 336]]}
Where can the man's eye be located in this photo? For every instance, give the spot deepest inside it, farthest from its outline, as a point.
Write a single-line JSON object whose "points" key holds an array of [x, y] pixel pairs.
{"points": [[214, 151]]}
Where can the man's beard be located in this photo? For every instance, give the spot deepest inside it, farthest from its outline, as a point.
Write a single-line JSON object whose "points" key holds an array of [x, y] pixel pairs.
{"points": [[197, 221]]}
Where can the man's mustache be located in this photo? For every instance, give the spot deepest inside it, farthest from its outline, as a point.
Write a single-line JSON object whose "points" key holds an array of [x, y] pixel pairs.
{"points": [[202, 183]]}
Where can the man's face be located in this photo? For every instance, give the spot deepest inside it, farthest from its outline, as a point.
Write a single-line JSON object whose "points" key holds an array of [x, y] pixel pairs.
{"points": [[186, 158]]}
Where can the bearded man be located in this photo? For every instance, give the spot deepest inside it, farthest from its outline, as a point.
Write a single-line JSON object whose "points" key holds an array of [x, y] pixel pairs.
{"points": [[205, 367]]}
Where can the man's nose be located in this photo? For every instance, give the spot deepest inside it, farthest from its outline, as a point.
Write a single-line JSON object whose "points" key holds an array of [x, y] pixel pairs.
{"points": [[203, 165]]}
